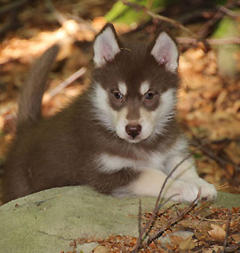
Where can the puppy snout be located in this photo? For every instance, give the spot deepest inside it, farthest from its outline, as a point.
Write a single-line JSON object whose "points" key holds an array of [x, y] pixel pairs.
{"points": [[133, 130]]}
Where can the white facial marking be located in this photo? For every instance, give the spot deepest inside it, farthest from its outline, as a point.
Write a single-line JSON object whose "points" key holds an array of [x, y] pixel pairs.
{"points": [[122, 88], [101, 108], [165, 111], [165, 52], [114, 121], [144, 87], [121, 122], [105, 47], [154, 122]]}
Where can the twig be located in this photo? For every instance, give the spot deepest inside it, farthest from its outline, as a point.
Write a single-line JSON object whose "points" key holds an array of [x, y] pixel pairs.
{"points": [[175, 221], [12, 22], [154, 216], [147, 228], [227, 231], [11, 25], [139, 240], [12, 6], [206, 150], [82, 22], [224, 41], [68, 81], [173, 22], [229, 12], [59, 16], [203, 33], [158, 204], [225, 140]]}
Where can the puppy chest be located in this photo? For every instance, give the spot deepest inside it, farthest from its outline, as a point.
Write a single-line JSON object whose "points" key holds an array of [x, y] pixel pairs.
{"points": [[111, 163]]}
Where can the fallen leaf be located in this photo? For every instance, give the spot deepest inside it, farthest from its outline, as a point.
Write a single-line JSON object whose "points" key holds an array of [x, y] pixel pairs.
{"points": [[217, 233], [187, 244], [236, 237]]}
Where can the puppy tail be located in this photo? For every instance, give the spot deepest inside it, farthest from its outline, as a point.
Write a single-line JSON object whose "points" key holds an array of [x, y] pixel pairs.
{"points": [[29, 105]]}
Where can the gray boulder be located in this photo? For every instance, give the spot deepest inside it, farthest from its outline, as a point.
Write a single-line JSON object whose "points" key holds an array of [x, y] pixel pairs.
{"points": [[47, 221]]}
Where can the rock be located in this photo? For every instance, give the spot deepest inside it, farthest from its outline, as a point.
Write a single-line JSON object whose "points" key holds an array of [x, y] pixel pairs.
{"points": [[101, 249], [87, 247], [50, 220]]}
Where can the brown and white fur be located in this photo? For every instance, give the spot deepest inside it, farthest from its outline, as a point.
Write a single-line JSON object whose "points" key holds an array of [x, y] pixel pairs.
{"points": [[120, 137]]}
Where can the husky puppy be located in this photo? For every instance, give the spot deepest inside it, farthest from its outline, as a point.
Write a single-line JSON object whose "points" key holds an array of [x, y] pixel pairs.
{"points": [[120, 137]]}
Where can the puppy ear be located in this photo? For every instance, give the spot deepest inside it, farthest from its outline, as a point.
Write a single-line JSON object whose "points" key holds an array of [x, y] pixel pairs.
{"points": [[165, 52], [105, 46]]}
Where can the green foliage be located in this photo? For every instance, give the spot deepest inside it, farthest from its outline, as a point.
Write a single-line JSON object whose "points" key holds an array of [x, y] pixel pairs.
{"points": [[121, 13], [220, 2], [227, 63], [226, 28], [197, 155]]}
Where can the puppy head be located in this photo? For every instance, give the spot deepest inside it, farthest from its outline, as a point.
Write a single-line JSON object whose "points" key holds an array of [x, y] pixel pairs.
{"points": [[135, 85]]}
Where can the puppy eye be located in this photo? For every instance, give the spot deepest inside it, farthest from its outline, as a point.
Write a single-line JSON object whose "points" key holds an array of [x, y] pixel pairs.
{"points": [[149, 95], [117, 94]]}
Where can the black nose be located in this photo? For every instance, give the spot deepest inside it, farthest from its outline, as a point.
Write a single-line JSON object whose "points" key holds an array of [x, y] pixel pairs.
{"points": [[133, 130]]}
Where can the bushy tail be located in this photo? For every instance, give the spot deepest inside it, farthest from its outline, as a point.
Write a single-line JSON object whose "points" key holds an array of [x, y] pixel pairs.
{"points": [[29, 106]]}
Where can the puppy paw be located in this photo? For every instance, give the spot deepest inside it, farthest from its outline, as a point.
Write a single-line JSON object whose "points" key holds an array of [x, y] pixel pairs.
{"points": [[181, 191], [208, 191]]}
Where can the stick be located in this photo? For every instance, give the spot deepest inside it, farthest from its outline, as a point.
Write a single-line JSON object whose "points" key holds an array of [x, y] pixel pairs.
{"points": [[147, 228], [157, 204], [227, 231], [59, 16], [139, 240], [12, 6], [173, 22], [11, 25], [224, 41], [68, 81], [155, 216], [218, 15], [206, 150], [197, 143], [175, 221], [229, 12]]}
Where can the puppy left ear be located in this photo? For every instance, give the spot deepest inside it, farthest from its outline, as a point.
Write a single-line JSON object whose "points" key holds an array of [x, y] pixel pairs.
{"points": [[105, 46], [165, 52]]}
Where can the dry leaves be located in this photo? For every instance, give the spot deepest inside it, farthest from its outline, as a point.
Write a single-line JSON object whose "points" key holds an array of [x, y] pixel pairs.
{"points": [[187, 244], [217, 233], [207, 226]]}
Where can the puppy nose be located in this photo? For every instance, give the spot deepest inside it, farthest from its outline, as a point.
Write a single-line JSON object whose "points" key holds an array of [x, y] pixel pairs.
{"points": [[133, 130]]}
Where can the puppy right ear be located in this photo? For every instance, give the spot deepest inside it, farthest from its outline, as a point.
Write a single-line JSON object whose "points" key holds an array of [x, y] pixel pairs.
{"points": [[105, 46], [165, 52]]}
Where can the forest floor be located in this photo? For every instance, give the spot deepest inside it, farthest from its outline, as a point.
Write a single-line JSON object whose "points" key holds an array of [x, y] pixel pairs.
{"points": [[208, 105]]}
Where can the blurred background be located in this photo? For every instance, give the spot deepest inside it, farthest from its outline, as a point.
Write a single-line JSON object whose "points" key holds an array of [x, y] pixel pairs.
{"points": [[208, 35]]}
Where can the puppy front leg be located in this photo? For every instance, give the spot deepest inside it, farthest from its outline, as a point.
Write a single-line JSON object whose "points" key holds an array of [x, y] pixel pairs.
{"points": [[150, 181], [187, 172]]}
